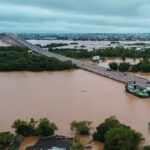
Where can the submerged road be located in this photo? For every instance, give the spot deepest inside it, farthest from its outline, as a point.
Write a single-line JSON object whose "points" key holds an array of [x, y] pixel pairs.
{"points": [[115, 75]]}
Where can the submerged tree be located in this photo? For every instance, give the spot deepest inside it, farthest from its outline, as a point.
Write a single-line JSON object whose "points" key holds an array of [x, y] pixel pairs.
{"points": [[113, 66], [124, 66], [122, 139], [43, 127], [23, 128], [5, 139], [146, 147], [81, 127], [104, 127], [77, 145], [46, 128]]}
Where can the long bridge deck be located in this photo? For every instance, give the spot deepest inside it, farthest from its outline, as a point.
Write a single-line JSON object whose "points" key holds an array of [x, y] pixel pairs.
{"points": [[115, 75]]}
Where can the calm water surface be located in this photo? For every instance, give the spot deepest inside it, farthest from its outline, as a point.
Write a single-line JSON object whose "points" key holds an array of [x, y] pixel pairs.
{"points": [[69, 95]]}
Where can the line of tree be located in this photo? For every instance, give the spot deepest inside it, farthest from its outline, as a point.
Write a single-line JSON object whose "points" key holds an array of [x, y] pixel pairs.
{"points": [[124, 66], [142, 66], [43, 127], [114, 135], [53, 45], [106, 52], [19, 59]]}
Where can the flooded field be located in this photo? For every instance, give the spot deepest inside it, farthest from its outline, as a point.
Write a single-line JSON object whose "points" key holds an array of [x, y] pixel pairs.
{"points": [[69, 95], [117, 60], [91, 45]]}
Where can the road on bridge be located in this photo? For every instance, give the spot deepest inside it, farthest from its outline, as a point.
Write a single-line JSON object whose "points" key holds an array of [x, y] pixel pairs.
{"points": [[115, 75]]}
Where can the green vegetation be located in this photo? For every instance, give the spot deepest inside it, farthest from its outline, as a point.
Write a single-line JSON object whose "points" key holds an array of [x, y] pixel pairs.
{"points": [[122, 139], [73, 53], [142, 66], [43, 127], [53, 45], [117, 136], [19, 59], [137, 44], [13, 148], [124, 66], [5, 139], [24, 128], [74, 43], [146, 147], [113, 66], [103, 128], [46, 128], [107, 52], [81, 127], [77, 145], [114, 42]]}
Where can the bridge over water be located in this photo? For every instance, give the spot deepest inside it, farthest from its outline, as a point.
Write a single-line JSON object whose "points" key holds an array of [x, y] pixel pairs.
{"points": [[115, 75]]}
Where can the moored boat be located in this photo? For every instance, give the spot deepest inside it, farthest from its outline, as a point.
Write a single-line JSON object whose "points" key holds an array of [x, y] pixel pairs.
{"points": [[133, 88]]}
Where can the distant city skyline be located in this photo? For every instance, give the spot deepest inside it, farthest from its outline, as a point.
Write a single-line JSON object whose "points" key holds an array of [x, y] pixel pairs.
{"points": [[75, 16]]}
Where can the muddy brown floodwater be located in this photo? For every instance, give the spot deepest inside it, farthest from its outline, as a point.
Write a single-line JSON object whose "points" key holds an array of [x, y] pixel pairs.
{"points": [[69, 95]]}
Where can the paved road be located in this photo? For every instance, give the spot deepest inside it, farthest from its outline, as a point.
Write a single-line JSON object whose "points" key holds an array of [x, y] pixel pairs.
{"points": [[118, 76]]}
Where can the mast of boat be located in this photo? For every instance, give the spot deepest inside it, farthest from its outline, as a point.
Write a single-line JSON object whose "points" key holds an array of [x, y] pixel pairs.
{"points": [[148, 85], [132, 80]]}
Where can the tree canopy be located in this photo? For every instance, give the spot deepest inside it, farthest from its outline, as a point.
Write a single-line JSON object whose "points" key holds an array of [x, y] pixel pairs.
{"points": [[113, 66], [81, 127], [104, 127], [106, 52], [19, 59], [117, 136], [43, 127], [146, 147], [5, 139], [77, 145], [124, 66], [46, 128], [122, 139]]}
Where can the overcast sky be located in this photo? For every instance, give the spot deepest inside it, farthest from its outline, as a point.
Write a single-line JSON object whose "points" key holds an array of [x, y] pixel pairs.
{"points": [[75, 16]]}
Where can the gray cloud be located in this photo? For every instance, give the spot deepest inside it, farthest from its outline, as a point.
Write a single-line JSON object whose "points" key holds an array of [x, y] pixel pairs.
{"points": [[74, 16]]}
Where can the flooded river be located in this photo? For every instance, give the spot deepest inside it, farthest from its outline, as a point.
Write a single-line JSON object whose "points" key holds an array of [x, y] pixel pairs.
{"points": [[69, 95]]}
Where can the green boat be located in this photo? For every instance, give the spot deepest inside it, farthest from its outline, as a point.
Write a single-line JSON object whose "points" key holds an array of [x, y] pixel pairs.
{"points": [[133, 88]]}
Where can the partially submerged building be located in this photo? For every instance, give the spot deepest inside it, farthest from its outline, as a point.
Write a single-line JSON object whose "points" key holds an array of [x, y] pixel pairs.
{"points": [[52, 143]]}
